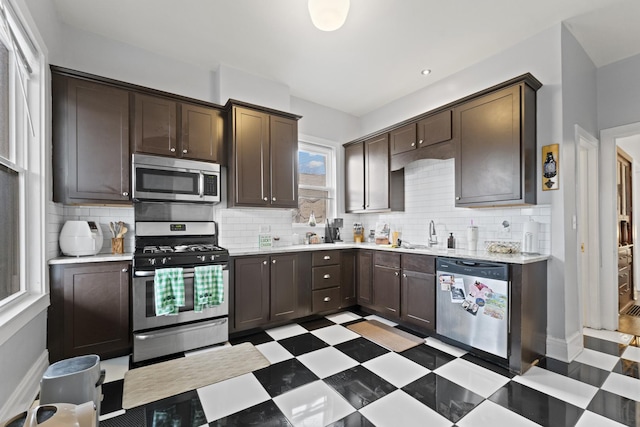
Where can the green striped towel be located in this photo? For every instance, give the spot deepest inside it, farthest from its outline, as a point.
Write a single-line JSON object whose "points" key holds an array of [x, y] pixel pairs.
{"points": [[169, 291], [208, 287]]}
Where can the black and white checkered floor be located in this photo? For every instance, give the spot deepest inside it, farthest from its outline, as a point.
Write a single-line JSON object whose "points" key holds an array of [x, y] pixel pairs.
{"points": [[324, 374]]}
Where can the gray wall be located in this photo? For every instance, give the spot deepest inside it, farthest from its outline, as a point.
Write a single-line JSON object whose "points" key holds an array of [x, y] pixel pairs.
{"points": [[619, 93]]}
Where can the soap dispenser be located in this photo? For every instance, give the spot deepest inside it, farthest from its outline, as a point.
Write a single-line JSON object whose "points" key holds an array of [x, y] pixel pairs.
{"points": [[451, 242]]}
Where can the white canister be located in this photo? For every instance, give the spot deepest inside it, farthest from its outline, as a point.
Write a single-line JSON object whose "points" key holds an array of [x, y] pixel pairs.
{"points": [[472, 237], [530, 236]]}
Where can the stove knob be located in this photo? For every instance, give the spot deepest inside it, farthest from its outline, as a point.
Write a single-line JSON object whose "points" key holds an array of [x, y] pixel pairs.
{"points": [[213, 257], [202, 258], [152, 261], [164, 261]]}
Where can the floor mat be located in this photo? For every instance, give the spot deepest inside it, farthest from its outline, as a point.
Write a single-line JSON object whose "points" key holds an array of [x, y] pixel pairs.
{"points": [[386, 336], [155, 382]]}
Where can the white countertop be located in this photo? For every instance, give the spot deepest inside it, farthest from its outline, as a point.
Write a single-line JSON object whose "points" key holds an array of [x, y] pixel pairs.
{"points": [[454, 253], [90, 258]]}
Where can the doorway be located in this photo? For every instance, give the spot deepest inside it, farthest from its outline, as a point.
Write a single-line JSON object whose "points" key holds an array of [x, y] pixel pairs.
{"points": [[627, 136]]}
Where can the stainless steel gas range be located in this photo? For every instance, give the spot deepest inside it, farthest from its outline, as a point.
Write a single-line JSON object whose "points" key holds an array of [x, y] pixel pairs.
{"points": [[175, 244]]}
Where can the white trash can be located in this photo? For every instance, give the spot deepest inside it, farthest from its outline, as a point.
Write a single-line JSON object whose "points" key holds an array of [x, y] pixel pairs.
{"points": [[76, 380]]}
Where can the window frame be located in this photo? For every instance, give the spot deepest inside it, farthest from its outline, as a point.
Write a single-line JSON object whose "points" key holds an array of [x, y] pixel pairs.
{"points": [[331, 166], [28, 155]]}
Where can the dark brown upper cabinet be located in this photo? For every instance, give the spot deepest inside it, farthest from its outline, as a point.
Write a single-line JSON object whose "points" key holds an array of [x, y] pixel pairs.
{"points": [[167, 127], [369, 184], [496, 159], [90, 142], [263, 159], [428, 131]]}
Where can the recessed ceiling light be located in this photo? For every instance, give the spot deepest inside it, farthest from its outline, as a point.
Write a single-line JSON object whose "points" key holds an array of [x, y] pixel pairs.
{"points": [[425, 72]]}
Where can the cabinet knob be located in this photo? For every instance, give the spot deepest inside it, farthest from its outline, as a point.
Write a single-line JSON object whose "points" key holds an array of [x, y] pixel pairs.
{"points": [[264, 262], [125, 270], [404, 275], [173, 150], [125, 194], [327, 276], [413, 144], [273, 199], [457, 197], [184, 151], [327, 257], [327, 299], [265, 199], [273, 261], [397, 274], [420, 142]]}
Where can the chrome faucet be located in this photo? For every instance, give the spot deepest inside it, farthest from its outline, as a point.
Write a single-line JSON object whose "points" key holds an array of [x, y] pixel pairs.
{"points": [[433, 237]]}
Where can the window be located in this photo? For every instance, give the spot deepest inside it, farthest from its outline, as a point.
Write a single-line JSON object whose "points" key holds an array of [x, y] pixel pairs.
{"points": [[22, 171], [316, 183]]}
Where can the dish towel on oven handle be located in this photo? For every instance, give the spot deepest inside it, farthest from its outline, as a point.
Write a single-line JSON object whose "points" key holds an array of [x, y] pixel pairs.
{"points": [[169, 291], [208, 287]]}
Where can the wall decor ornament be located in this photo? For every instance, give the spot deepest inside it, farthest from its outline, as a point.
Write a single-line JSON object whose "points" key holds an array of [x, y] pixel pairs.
{"points": [[550, 167]]}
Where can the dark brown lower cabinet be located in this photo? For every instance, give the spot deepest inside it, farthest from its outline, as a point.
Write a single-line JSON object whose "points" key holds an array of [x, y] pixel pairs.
{"points": [[348, 280], [386, 283], [418, 293], [270, 289], [90, 310], [365, 276]]}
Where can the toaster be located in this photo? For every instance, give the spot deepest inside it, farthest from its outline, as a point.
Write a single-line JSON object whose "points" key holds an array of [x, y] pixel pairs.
{"points": [[80, 238]]}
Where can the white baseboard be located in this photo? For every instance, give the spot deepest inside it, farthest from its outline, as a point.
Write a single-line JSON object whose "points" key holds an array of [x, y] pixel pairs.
{"points": [[26, 392], [565, 350]]}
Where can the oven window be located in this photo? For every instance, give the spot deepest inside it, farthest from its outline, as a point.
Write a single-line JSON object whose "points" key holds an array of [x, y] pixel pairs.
{"points": [[162, 181], [150, 301]]}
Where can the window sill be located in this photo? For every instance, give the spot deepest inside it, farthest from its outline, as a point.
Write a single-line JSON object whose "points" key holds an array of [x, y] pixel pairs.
{"points": [[20, 312]]}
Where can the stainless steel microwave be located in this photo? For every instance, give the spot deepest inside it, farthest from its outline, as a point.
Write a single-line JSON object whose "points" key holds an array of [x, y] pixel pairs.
{"points": [[165, 178]]}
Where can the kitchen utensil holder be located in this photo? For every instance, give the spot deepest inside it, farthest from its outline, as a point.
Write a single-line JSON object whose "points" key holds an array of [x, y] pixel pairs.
{"points": [[117, 245]]}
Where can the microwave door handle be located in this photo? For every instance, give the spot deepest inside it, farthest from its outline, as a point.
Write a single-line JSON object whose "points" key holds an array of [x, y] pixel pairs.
{"points": [[201, 185]]}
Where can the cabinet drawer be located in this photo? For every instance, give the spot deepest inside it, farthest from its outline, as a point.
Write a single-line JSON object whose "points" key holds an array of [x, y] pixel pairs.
{"points": [[386, 259], [419, 263], [326, 299], [325, 277], [321, 258]]}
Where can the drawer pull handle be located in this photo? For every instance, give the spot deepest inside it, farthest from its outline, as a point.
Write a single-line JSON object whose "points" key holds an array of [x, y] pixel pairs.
{"points": [[327, 276], [327, 299], [327, 257]]}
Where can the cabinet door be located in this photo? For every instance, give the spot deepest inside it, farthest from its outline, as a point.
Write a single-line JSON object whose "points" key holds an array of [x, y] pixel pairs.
{"points": [[434, 129], [284, 162], [365, 278], [201, 133], [284, 287], [155, 125], [489, 163], [251, 158], [403, 139], [418, 299], [354, 177], [90, 141], [251, 292], [348, 278], [96, 309], [386, 290], [376, 154]]}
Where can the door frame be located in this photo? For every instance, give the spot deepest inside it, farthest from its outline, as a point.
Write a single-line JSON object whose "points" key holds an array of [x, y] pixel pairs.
{"points": [[608, 221], [587, 207]]}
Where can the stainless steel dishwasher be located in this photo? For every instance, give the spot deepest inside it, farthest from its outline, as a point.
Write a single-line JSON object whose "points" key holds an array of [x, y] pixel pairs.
{"points": [[473, 304]]}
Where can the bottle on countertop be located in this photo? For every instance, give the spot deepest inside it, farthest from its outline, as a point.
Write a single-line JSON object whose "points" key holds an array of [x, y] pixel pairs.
{"points": [[451, 241]]}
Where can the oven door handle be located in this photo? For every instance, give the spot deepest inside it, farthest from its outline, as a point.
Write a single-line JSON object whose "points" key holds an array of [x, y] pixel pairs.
{"points": [[184, 329], [187, 273]]}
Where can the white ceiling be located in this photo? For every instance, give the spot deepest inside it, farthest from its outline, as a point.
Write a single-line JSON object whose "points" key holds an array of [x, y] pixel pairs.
{"points": [[375, 58]]}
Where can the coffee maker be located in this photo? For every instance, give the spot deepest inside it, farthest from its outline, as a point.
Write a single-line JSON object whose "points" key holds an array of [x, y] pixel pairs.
{"points": [[332, 230]]}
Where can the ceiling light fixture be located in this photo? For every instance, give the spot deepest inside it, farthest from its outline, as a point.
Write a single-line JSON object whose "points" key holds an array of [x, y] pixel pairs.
{"points": [[425, 72], [328, 15]]}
